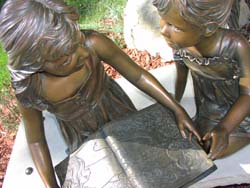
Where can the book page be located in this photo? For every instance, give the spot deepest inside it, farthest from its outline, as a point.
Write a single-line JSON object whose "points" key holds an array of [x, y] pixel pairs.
{"points": [[92, 165]]}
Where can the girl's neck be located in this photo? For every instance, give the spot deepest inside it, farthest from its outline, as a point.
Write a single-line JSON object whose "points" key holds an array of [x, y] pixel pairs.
{"points": [[208, 46]]}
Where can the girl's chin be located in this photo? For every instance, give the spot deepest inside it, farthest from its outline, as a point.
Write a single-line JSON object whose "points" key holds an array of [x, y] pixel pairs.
{"points": [[173, 46]]}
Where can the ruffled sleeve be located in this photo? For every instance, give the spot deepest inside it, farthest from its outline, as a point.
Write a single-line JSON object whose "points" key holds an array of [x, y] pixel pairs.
{"points": [[28, 92]]}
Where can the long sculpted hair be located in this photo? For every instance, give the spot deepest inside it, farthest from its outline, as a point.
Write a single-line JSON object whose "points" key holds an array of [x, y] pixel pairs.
{"points": [[35, 31], [198, 12]]}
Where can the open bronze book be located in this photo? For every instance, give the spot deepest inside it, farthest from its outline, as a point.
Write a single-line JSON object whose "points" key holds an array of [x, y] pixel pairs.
{"points": [[143, 150]]}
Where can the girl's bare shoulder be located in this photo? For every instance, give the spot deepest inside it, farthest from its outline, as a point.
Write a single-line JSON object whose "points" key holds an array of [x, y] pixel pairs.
{"points": [[235, 37], [234, 44], [92, 36]]}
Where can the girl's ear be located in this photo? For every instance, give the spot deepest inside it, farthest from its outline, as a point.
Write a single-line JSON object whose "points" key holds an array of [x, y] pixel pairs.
{"points": [[210, 28]]}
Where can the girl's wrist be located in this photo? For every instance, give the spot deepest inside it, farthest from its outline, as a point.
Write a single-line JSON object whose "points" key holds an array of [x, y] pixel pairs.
{"points": [[179, 111], [223, 128]]}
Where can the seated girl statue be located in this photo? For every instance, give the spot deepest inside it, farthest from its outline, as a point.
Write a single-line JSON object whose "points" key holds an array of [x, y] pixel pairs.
{"points": [[219, 62], [56, 67]]}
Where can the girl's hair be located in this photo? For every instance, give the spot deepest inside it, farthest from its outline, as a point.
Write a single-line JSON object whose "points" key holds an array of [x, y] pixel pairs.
{"points": [[198, 12], [35, 31]]}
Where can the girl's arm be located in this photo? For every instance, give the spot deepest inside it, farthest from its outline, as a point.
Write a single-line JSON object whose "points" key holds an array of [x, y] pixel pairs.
{"points": [[34, 130], [181, 80], [241, 108], [113, 55]]}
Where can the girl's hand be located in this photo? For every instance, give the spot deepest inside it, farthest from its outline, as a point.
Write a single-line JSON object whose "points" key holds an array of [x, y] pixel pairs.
{"points": [[219, 138], [185, 124]]}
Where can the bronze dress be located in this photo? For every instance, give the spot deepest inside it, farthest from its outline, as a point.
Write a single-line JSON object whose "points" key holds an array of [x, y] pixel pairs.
{"points": [[99, 100], [216, 85]]}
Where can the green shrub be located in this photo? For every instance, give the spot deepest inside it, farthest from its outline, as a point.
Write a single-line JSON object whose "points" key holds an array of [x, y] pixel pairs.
{"points": [[95, 12], [4, 74]]}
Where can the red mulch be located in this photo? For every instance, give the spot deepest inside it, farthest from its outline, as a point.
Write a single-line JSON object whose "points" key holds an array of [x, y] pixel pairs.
{"points": [[6, 144], [8, 109], [142, 58], [9, 118]]}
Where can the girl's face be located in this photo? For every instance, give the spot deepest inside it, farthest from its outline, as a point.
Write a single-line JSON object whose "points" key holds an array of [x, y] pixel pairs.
{"points": [[66, 65], [177, 32]]}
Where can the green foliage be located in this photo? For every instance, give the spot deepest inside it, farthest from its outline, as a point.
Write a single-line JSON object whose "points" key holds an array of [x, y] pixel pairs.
{"points": [[95, 13], [4, 74], [10, 116], [2, 2]]}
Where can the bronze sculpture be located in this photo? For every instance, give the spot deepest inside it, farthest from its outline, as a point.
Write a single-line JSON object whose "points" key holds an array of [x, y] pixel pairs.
{"points": [[219, 61], [56, 67]]}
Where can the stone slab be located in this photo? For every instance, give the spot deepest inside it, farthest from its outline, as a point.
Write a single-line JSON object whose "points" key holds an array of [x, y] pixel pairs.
{"points": [[231, 170]]}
